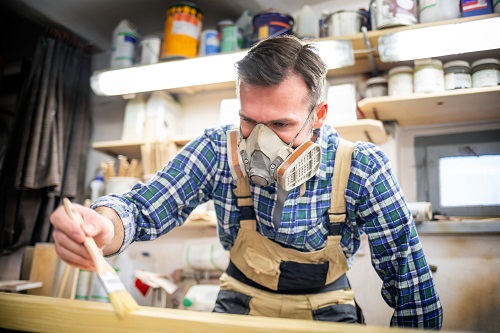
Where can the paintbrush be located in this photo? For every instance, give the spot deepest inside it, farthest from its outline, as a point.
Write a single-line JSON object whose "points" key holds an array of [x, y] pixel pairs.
{"points": [[121, 300]]}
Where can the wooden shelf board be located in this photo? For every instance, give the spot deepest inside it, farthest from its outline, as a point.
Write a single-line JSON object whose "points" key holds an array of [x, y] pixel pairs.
{"points": [[131, 149], [454, 106], [363, 130], [359, 46]]}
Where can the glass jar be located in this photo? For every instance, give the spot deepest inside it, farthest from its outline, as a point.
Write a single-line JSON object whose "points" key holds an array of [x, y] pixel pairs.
{"points": [[428, 76], [400, 81], [485, 72], [457, 75], [376, 86]]}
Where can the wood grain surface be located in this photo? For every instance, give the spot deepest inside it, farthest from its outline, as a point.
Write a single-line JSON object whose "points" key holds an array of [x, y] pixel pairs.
{"points": [[49, 314]]}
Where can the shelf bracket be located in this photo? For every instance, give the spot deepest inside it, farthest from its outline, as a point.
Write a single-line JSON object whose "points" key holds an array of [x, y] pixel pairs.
{"points": [[371, 58]]}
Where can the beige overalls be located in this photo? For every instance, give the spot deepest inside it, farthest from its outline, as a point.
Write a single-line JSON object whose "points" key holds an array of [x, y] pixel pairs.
{"points": [[267, 279]]}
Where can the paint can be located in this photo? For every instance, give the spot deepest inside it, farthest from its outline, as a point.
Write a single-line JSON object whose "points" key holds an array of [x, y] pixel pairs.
{"points": [[272, 24], [476, 7], [209, 42], [149, 50], [393, 13], [182, 30], [231, 38]]}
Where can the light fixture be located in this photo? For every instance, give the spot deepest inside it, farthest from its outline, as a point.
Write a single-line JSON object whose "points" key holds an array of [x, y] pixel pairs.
{"points": [[442, 40], [197, 71]]}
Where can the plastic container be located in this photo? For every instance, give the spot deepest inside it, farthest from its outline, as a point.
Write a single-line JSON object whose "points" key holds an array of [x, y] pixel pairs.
{"points": [[476, 7], [205, 254], [120, 185], [438, 10], [97, 291], [135, 115], [428, 76], [149, 50], [96, 188], [307, 23], [376, 86], [201, 297], [162, 116], [457, 75], [83, 285], [182, 30], [485, 72], [392, 13], [244, 23], [400, 81], [125, 41]]}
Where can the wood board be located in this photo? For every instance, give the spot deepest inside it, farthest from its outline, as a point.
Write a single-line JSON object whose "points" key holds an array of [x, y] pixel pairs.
{"points": [[451, 106], [47, 314]]}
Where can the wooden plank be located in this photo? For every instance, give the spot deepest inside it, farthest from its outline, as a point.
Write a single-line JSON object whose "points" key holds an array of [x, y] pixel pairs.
{"points": [[363, 130], [47, 314], [44, 268]]}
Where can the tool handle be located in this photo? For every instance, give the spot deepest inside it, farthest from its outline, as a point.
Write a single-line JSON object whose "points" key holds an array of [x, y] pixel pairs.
{"points": [[99, 262]]}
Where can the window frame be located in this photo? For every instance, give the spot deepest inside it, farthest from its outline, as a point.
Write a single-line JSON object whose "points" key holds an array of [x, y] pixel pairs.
{"points": [[429, 149]]}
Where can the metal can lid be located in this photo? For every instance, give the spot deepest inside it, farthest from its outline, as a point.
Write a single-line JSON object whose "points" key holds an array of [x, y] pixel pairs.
{"points": [[225, 22], [485, 61], [400, 69], [456, 63], [376, 80]]}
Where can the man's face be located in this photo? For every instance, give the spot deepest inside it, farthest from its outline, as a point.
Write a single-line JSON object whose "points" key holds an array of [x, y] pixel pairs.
{"points": [[283, 108]]}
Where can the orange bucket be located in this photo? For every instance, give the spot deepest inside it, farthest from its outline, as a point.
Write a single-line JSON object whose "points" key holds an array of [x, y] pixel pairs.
{"points": [[182, 30]]}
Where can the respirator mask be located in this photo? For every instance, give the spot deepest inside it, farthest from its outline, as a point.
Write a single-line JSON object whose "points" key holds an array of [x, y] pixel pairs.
{"points": [[264, 158]]}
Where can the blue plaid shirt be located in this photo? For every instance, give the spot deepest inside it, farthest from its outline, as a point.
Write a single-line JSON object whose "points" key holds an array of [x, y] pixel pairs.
{"points": [[375, 206]]}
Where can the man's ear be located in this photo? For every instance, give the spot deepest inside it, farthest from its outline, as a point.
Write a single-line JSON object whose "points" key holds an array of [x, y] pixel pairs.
{"points": [[320, 114]]}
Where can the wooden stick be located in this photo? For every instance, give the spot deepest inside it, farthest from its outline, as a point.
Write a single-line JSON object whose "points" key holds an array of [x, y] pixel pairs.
{"points": [[64, 280]]}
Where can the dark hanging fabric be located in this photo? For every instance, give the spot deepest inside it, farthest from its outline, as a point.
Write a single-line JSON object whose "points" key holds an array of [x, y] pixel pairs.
{"points": [[46, 155]]}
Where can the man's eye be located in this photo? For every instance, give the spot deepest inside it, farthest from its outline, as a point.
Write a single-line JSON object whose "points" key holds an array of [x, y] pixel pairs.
{"points": [[248, 121], [279, 124]]}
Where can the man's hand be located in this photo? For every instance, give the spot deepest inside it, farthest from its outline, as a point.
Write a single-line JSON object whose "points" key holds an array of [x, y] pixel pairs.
{"points": [[69, 237]]}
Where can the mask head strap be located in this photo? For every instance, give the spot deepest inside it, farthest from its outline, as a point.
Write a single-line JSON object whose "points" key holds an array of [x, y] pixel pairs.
{"points": [[303, 126]]}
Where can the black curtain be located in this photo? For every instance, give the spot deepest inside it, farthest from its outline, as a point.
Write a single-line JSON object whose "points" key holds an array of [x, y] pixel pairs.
{"points": [[46, 153]]}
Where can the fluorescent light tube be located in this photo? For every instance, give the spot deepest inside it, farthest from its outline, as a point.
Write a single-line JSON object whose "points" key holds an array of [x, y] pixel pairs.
{"points": [[440, 40], [197, 71]]}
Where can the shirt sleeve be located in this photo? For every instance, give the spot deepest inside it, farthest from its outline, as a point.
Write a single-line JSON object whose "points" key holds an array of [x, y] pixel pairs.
{"points": [[396, 251], [151, 210]]}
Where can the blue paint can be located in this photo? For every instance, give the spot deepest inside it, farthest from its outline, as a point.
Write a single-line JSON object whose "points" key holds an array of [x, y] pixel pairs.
{"points": [[209, 42], [272, 24]]}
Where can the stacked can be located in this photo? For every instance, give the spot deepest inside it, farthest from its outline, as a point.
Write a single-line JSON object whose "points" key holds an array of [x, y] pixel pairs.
{"points": [[209, 42]]}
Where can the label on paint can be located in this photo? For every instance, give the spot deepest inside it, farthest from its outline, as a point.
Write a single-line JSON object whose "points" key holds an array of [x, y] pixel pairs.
{"points": [[182, 30], [232, 38], [209, 43]]}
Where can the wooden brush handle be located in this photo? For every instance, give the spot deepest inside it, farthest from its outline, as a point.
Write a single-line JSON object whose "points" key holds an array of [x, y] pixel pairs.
{"points": [[99, 262]]}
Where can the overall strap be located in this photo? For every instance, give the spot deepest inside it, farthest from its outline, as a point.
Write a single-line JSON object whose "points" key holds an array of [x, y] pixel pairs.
{"points": [[245, 203], [341, 170]]}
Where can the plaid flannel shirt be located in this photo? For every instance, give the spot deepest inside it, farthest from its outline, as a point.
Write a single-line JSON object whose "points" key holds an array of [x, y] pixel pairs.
{"points": [[375, 206]]}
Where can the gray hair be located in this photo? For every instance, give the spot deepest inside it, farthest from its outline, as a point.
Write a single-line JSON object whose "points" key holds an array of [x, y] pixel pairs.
{"points": [[272, 60]]}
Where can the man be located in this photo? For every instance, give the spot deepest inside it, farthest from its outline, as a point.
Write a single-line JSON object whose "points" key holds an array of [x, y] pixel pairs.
{"points": [[292, 200]]}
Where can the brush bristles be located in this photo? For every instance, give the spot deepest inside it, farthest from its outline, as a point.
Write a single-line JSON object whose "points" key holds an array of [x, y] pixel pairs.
{"points": [[123, 302]]}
